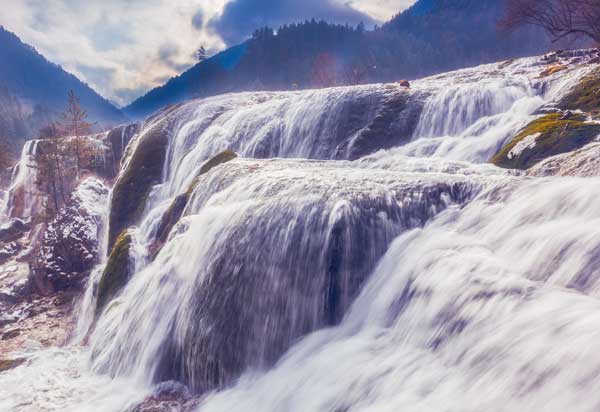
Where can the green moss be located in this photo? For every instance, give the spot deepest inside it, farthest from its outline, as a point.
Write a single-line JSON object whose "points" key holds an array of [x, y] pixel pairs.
{"points": [[116, 273], [142, 172], [556, 134], [585, 95]]}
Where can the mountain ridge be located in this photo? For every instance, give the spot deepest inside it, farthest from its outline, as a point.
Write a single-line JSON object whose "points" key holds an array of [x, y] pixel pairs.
{"points": [[430, 37], [34, 90]]}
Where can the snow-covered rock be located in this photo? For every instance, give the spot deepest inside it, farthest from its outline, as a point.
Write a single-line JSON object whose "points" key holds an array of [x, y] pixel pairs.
{"points": [[71, 242]]}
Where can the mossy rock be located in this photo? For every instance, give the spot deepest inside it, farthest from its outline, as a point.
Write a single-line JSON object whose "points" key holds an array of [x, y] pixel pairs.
{"points": [[175, 210], [116, 273], [223, 157], [547, 136], [142, 171], [585, 95]]}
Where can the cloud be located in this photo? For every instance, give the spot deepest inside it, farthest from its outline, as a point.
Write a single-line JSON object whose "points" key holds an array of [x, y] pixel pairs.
{"points": [[123, 48], [241, 17], [115, 45], [198, 20], [381, 10]]}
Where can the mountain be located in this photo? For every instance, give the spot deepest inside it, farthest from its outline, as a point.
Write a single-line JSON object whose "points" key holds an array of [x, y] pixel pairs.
{"points": [[430, 37], [34, 91]]}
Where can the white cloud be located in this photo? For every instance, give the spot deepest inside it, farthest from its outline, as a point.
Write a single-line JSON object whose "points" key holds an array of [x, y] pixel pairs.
{"points": [[125, 47], [115, 45], [381, 10]]}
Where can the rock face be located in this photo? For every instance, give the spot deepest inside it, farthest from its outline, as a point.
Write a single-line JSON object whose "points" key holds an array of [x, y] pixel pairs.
{"points": [[585, 96], [71, 242], [572, 122], [119, 138], [116, 273], [584, 162], [545, 137], [14, 229], [142, 170]]}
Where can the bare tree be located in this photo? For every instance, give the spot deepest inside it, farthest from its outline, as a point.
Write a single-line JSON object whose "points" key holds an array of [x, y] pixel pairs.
{"points": [[74, 123], [49, 176], [560, 18]]}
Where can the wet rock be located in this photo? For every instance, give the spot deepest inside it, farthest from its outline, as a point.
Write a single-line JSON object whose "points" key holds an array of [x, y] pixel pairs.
{"points": [[119, 138], [7, 364], [584, 162], [13, 230], [9, 250], [553, 70], [368, 128], [116, 273], [168, 396], [142, 171], [547, 136], [585, 95], [11, 334]]}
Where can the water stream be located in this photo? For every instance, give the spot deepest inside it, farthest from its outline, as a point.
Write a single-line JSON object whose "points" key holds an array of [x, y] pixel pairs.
{"points": [[317, 273]]}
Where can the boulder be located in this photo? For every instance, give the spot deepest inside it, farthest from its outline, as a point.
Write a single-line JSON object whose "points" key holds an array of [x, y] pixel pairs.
{"points": [[70, 246], [13, 230], [546, 136], [404, 83], [585, 95], [584, 162]]}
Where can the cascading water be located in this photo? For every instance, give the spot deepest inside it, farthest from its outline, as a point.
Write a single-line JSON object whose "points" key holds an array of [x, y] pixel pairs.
{"points": [[23, 198], [412, 278]]}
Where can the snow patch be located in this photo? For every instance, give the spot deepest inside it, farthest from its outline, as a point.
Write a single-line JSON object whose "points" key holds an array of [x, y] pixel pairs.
{"points": [[524, 144]]}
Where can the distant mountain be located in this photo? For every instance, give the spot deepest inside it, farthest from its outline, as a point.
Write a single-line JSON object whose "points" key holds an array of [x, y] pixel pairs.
{"points": [[34, 91], [430, 37]]}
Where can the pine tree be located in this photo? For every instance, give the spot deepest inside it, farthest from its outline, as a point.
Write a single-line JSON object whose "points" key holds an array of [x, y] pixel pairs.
{"points": [[74, 124], [201, 54]]}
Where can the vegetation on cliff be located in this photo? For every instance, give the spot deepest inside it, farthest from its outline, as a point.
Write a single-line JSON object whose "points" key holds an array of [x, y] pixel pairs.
{"points": [[116, 273], [142, 171]]}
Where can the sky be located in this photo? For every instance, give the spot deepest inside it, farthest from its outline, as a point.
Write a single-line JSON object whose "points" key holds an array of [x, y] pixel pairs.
{"points": [[123, 48]]}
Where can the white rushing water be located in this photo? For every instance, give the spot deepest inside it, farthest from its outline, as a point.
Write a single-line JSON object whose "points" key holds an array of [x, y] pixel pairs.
{"points": [[414, 278]]}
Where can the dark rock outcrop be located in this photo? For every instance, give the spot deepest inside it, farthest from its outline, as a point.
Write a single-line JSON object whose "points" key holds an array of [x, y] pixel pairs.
{"points": [[584, 96], [13, 230], [142, 170], [116, 273], [545, 137]]}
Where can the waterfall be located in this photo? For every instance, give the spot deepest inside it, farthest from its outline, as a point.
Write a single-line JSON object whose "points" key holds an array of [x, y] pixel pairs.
{"points": [[493, 307], [23, 197], [305, 234], [358, 255]]}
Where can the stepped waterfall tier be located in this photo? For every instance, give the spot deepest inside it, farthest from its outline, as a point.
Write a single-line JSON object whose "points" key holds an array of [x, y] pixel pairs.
{"points": [[376, 247]]}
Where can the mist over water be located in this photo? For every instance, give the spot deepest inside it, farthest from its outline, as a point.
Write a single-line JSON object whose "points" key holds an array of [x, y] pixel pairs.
{"points": [[306, 277]]}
